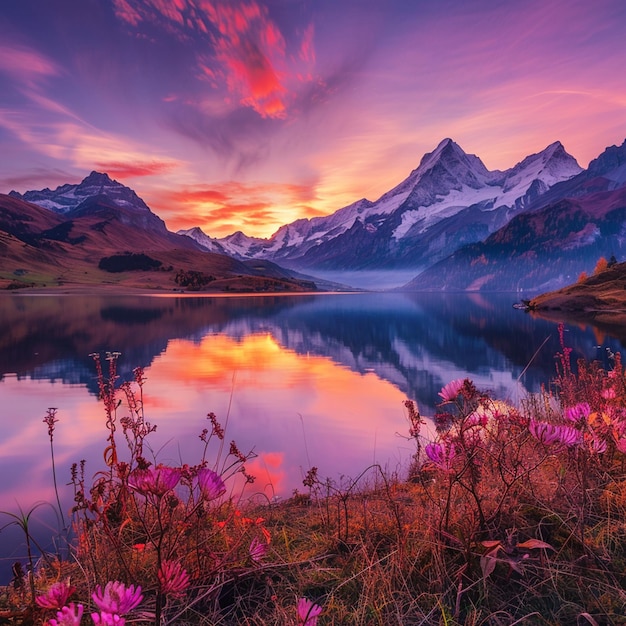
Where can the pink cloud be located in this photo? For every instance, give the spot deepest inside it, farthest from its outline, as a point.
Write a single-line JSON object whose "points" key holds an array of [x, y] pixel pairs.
{"points": [[247, 49], [307, 49], [26, 64], [125, 12], [135, 169]]}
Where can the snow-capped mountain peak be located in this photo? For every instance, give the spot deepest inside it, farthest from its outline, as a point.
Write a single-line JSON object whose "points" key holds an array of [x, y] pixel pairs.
{"points": [[65, 198], [446, 184]]}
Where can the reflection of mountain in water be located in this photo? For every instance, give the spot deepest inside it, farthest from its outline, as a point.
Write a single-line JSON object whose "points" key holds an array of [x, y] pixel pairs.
{"points": [[418, 342]]}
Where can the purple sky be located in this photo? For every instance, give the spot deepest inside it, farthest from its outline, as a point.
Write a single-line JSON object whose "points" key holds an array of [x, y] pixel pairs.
{"points": [[248, 114]]}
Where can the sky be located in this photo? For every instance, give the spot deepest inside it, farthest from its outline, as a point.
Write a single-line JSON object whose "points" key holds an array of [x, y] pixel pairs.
{"points": [[249, 114]]}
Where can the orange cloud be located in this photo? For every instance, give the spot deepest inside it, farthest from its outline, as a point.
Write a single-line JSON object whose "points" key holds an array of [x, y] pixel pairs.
{"points": [[258, 209]]}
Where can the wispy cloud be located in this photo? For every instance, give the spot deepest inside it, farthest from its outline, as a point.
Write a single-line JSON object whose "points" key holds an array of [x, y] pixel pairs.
{"points": [[26, 65]]}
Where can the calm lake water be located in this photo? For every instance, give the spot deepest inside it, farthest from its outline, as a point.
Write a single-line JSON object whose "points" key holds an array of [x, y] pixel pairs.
{"points": [[302, 380]]}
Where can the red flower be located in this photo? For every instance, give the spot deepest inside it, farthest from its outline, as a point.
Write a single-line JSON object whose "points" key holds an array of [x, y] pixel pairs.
{"points": [[173, 578]]}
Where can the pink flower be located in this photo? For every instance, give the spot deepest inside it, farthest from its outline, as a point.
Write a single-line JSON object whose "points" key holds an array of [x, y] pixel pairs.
{"points": [[211, 484], [440, 454], [621, 445], [107, 619], [258, 549], [117, 598], [173, 578], [154, 480], [68, 616], [596, 445], [452, 390], [554, 434], [308, 612], [56, 596], [578, 413]]}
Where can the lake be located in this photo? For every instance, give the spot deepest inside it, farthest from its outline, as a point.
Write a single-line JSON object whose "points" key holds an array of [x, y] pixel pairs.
{"points": [[303, 380]]}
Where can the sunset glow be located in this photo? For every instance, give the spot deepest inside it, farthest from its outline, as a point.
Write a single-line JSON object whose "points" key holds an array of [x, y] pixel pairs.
{"points": [[249, 114], [250, 384]]}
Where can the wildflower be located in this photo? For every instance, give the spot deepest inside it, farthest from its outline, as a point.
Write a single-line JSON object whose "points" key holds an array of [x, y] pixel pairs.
{"points": [[553, 434], [56, 596], [154, 480], [51, 419], [117, 598], [107, 619], [621, 445], [596, 445], [68, 616], [609, 394], [440, 454], [578, 413], [452, 390], [258, 549], [173, 578], [211, 484], [308, 612]]}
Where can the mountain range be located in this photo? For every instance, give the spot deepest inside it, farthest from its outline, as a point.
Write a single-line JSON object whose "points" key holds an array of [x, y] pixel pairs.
{"points": [[449, 200], [100, 233], [452, 224]]}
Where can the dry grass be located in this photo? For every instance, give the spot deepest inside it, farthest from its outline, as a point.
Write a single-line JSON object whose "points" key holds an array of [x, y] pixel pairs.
{"points": [[497, 526]]}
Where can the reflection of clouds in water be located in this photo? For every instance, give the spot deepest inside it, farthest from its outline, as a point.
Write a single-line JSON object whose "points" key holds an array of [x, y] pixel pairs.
{"points": [[279, 402], [503, 383]]}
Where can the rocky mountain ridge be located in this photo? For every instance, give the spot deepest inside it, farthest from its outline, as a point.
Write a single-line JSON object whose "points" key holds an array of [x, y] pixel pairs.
{"points": [[548, 246], [450, 199]]}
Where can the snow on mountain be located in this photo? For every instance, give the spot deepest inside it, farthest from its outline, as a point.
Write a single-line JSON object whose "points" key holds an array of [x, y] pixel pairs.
{"points": [[446, 184], [199, 236], [97, 193], [67, 197], [463, 181]]}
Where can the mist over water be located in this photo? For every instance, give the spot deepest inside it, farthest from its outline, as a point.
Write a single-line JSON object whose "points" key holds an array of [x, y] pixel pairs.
{"points": [[375, 280]]}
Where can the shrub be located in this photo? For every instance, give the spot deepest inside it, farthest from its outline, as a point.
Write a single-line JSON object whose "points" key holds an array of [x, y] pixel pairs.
{"points": [[128, 262]]}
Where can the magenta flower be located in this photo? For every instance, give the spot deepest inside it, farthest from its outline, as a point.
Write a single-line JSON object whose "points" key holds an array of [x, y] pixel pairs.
{"points": [[578, 413], [107, 619], [211, 484], [440, 454], [154, 480], [68, 616], [173, 578], [621, 445], [554, 434], [117, 598], [452, 390], [308, 612], [258, 549], [56, 596]]}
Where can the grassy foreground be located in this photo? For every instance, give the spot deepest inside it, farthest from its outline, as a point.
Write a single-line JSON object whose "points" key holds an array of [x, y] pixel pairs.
{"points": [[513, 515]]}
